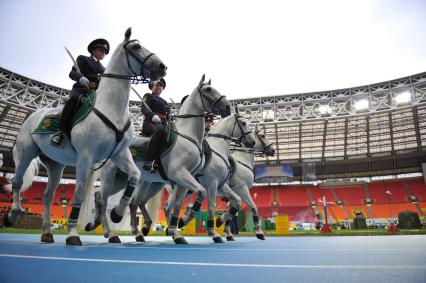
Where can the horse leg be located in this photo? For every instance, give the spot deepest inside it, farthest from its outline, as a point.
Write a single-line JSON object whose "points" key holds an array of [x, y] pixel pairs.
{"points": [[25, 170], [174, 217], [154, 189], [98, 206], [168, 206], [54, 171], [193, 212], [111, 184], [133, 223], [245, 195], [83, 173], [185, 180], [134, 204], [124, 162], [234, 205], [212, 190]]}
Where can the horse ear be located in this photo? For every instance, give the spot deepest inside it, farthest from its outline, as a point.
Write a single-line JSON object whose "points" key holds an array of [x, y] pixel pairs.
{"points": [[209, 82], [128, 34], [202, 80]]}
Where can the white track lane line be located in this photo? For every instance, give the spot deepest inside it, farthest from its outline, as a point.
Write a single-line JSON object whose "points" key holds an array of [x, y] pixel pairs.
{"points": [[156, 247], [283, 266]]}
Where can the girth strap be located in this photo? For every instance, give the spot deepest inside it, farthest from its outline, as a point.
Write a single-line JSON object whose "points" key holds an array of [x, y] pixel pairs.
{"points": [[200, 150], [119, 134], [248, 167]]}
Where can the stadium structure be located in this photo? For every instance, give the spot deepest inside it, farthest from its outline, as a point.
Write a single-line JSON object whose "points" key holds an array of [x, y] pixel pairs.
{"points": [[360, 147]]}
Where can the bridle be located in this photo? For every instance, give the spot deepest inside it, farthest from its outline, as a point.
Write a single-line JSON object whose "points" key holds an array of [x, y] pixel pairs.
{"points": [[135, 77], [206, 111], [242, 138]]}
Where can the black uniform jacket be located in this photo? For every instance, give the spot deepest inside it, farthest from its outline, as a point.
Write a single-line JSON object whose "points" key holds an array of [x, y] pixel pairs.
{"points": [[158, 107], [89, 67]]}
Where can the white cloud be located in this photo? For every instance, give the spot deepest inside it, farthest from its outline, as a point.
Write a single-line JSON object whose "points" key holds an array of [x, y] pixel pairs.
{"points": [[248, 48]]}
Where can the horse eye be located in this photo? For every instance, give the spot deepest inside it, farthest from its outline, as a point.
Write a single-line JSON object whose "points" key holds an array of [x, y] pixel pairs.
{"points": [[244, 123], [208, 89], [262, 136], [137, 46]]}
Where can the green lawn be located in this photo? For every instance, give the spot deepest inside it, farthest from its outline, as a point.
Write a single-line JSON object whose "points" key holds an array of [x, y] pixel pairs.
{"points": [[243, 234]]}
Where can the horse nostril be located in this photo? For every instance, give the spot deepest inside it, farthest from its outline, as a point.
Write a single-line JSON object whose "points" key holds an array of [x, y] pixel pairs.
{"points": [[163, 67]]}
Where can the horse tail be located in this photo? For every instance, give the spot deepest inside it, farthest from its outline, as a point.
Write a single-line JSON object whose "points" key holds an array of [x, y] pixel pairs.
{"points": [[31, 171]]}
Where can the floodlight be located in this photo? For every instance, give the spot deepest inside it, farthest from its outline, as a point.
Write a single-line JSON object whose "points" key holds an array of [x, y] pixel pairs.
{"points": [[403, 97], [361, 104], [268, 115], [324, 109]]}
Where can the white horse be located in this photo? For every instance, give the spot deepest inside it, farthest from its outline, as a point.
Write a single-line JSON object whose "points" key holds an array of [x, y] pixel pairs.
{"points": [[242, 180], [217, 172], [105, 133], [226, 131], [180, 162]]}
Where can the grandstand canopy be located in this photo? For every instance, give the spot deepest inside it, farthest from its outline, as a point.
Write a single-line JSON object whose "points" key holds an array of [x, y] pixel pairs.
{"points": [[358, 131]]}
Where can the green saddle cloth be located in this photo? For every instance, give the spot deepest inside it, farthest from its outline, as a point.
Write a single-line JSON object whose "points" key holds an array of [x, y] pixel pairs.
{"points": [[50, 123], [139, 152]]}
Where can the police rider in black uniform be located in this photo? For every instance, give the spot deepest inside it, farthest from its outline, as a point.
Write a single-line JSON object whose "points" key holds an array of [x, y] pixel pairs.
{"points": [[87, 80], [155, 121]]}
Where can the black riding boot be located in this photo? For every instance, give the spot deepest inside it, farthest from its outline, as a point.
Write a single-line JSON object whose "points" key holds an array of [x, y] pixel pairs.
{"points": [[153, 149], [69, 109]]}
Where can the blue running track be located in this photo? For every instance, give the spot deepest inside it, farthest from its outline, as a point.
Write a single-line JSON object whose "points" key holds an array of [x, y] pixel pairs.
{"points": [[278, 259]]}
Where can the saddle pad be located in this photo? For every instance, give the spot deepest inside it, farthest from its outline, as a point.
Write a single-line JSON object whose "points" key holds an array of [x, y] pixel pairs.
{"points": [[50, 123], [139, 152]]}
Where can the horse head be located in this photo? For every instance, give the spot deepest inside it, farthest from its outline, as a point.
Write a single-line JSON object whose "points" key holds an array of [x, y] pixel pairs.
{"points": [[211, 99], [242, 131], [138, 60], [263, 144]]}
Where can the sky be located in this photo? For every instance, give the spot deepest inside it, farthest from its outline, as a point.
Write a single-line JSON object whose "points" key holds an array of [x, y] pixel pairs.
{"points": [[248, 48]]}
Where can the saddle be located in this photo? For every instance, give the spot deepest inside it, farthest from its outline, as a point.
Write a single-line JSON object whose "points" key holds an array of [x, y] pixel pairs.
{"points": [[50, 122]]}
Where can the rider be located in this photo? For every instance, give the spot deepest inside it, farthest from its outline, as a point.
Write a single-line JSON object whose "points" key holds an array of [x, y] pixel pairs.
{"points": [[155, 121], [87, 80], [208, 123]]}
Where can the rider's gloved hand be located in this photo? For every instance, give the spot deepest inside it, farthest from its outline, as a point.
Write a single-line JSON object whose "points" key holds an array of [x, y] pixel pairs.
{"points": [[84, 82], [156, 119]]}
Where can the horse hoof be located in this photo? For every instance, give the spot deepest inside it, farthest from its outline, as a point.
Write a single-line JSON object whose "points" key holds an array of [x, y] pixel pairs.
{"points": [[218, 240], [145, 230], [230, 238], [140, 239], [73, 241], [260, 236], [47, 238], [218, 222], [114, 240], [167, 232], [89, 227], [181, 224], [180, 241], [115, 217], [6, 222]]}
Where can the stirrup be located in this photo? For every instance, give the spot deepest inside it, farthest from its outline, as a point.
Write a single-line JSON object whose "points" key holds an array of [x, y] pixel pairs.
{"points": [[57, 137]]}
